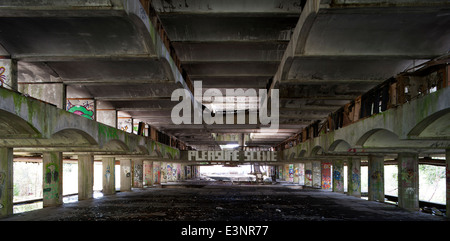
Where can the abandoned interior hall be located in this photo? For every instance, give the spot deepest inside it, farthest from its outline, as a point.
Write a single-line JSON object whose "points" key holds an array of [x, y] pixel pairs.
{"points": [[237, 110]]}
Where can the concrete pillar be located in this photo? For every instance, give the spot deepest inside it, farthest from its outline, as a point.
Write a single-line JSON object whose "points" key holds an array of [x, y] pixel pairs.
{"points": [[354, 177], [125, 175], [338, 176], [408, 181], [156, 172], [109, 175], [376, 178], [85, 176], [163, 172], [52, 183], [326, 175], [301, 173], [138, 173], [296, 176], [169, 171], [148, 173], [308, 174], [106, 114], [8, 74], [447, 157], [316, 174], [6, 181]]}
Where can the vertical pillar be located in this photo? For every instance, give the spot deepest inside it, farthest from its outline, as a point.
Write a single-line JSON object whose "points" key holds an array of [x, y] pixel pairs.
{"points": [[301, 173], [354, 177], [125, 175], [8, 74], [138, 173], [308, 174], [148, 173], [52, 183], [164, 172], [316, 174], [169, 172], [408, 181], [6, 181], [338, 176], [157, 172], [85, 176], [447, 157], [296, 176], [109, 175], [376, 178], [326, 175]]}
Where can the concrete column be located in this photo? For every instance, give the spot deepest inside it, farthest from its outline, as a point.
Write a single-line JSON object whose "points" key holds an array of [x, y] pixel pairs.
{"points": [[376, 178], [138, 173], [148, 173], [338, 176], [85, 176], [8, 74], [109, 175], [308, 174], [156, 172], [296, 176], [163, 172], [301, 173], [354, 177], [52, 183], [125, 175], [326, 175], [447, 157], [6, 181], [316, 174], [169, 171], [408, 181]]}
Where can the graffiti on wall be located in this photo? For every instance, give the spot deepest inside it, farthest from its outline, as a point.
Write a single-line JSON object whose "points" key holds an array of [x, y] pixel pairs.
{"points": [[2, 76], [326, 175], [125, 124], [301, 173], [81, 107], [356, 180], [156, 173]]}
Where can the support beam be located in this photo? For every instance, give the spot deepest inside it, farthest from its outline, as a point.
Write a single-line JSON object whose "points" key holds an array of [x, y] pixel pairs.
{"points": [[6, 181], [52, 183], [376, 178], [125, 175], [408, 181], [354, 177], [109, 175], [338, 176], [301, 173], [85, 176]]}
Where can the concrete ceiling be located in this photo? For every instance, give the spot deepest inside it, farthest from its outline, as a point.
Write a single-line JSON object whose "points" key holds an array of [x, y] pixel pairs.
{"points": [[320, 56]]}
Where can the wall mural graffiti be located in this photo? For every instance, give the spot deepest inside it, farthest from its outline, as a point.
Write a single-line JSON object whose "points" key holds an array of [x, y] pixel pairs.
{"points": [[80, 107], [326, 175], [2, 75]]}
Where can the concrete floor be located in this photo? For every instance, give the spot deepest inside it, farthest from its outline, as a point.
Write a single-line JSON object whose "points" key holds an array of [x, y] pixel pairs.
{"points": [[225, 202]]}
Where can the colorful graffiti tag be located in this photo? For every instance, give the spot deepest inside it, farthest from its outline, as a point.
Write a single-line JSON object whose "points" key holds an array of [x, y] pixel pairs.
{"points": [[51, 181], [2, 76], [85, 109], [326, 175]]}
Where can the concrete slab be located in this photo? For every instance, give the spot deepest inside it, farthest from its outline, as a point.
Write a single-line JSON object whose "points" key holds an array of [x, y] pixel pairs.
{"points": [[215, 202]]}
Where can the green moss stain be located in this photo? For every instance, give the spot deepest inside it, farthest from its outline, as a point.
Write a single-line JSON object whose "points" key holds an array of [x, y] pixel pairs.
{"points": [[106, 132]]}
